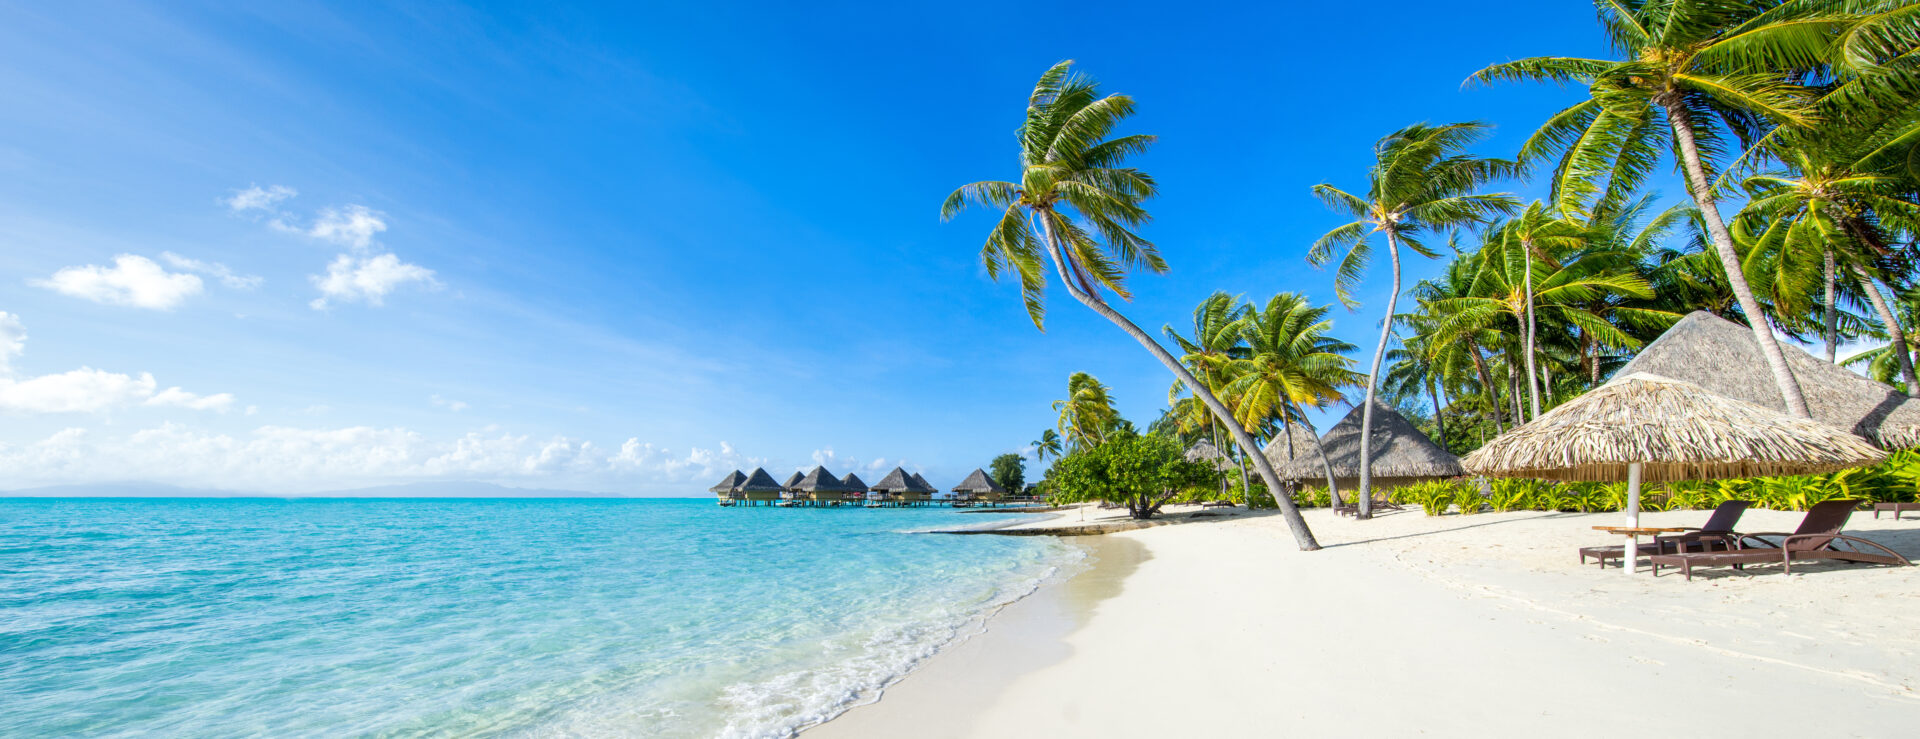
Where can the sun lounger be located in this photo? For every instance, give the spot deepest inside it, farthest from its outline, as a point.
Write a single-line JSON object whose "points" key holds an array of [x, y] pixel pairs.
{"points": [[1716, 533], [1817, 538], [1895, 508]]}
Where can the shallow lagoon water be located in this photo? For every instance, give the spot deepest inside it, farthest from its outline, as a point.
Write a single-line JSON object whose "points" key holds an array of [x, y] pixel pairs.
{"points": [[497, 617]]}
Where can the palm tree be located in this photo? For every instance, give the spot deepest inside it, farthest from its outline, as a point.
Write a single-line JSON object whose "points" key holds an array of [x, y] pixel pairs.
{"points": [[1704, 68], [1293, 363], [1077, 206], [1501, 295], [1538, 232], [1087, 414], [1048, 445], [1216, 341], [1422, 181]]}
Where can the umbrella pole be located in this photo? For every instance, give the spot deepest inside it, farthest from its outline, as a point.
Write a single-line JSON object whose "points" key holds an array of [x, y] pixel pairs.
{"points": [[1633, 517]]}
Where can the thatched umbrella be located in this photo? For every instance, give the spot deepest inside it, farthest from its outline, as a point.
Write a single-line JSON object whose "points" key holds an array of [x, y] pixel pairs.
{"points": [[1644, 427], [1722, 356], [729, 483], [1401, 454]]}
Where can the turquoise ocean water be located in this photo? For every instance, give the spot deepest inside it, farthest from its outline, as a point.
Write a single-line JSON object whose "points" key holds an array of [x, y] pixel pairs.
{"points": [[270, 617]]}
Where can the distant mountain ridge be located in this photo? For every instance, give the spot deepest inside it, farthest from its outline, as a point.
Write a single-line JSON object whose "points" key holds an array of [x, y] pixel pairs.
{"points": [[404, 490]]}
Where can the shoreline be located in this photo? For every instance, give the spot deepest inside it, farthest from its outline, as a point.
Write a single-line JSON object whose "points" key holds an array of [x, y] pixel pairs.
{"points": [[1444, 626]]}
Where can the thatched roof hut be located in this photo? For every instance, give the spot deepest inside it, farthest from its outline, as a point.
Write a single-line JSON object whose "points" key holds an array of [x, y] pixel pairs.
{"points": [[1722, 357], [979, 483], [1299, 445], [1205, 452], [896, 481], [1401, 454], [819, 480], [793, 480], [728, 483], [759, 482], [1674, 430], [920, 484], [853, 484]]}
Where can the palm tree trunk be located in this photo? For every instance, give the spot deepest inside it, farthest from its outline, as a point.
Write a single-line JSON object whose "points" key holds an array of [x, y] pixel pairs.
{"points": [[1486, 381], [1730, 259], [1364, 502], [1326, 465], [1533, 388], [1439, 422], [1288, 512], [1897, 335], [1832, 332]]}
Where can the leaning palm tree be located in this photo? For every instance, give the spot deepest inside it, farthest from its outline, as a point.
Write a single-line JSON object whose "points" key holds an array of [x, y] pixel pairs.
{"points": [[1077, 206], [1690, 73], [1292, 364], [1422, 181]]}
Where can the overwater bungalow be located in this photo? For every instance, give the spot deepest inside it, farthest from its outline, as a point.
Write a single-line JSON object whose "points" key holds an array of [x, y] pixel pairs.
{"points": [[728, 488], [820, 487], [898, 488], [979, 488], [759, 488]]}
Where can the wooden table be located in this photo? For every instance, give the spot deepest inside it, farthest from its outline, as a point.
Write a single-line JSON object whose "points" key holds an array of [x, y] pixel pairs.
{"points": [[1630, 559]]}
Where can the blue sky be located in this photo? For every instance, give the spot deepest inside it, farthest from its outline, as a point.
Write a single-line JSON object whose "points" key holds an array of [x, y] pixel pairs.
{"points": [[625, 248]]}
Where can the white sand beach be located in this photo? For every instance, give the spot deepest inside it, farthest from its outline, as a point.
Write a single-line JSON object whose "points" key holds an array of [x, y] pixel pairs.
{"points": [[1480, 625]]}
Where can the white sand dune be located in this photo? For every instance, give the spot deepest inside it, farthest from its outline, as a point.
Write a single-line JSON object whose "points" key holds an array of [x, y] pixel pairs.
{"points": [[1409, 625]]}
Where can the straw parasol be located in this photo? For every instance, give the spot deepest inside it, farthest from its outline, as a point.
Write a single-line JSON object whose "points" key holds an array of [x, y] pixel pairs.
{"points": [[979, 484], [1722, 357], [1401, 454], [729, 483], [1644, 427]]}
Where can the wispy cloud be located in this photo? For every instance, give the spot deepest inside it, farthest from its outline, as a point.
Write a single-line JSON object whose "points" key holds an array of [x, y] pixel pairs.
{"points": [[255, 197], [133, 280], [453, 405], [13, 340], [216, 270]]}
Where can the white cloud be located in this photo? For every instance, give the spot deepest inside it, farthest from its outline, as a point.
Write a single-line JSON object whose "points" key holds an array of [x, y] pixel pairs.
{"points": [[288, 459], [86, 390], [257, 198], [352, 225], [215, 270], [178, 398], [365, 279], [453, 405], [13, 340], [133, 280]]}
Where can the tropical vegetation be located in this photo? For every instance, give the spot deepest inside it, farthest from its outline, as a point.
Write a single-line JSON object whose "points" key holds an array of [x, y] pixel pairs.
{"points": [[1791, 132]]}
